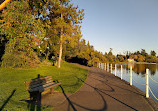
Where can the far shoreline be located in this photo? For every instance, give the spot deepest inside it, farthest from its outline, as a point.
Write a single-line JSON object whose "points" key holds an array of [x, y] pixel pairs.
{"points": [[144, 63], [137, 63]]}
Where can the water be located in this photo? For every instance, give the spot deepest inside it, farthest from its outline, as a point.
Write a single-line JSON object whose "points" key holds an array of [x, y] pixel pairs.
{"points": [[139, 76]]}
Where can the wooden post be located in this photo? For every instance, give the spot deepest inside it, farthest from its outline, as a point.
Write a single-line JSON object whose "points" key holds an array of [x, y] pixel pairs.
{"points": [[111, 68], [101, 65], [121, 72], [51, 90], [108, 67], [105, 66], [131, 75], [115, 69], [147, 83]]}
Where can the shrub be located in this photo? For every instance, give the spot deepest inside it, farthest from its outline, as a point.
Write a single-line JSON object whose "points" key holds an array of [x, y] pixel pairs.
{"points": [[19, 59], [93, 62]]}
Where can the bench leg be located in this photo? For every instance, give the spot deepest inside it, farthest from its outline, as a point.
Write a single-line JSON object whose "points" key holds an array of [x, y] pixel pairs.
{"points": [[51, 90]]}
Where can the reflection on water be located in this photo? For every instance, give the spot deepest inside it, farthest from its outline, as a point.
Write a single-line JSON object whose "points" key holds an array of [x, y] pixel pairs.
{"points": [[140, 68], [139, 75]]}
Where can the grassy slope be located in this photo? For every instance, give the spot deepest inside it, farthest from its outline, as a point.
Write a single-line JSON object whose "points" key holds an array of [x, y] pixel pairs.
{"points": [[11, 79]]}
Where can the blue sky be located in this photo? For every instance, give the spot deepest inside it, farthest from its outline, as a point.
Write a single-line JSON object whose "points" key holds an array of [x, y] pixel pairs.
{"points": [[120, 24]]}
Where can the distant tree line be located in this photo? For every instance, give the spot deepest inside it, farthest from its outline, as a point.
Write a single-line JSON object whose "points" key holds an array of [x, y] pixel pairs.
{"points": [[138, 56]]}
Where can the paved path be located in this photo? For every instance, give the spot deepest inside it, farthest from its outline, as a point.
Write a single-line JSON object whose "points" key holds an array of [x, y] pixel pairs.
{"points": [[102, 91]]}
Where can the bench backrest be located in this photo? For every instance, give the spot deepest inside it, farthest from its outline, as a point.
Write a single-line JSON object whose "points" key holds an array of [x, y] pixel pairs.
{"points": [[38, 82]]}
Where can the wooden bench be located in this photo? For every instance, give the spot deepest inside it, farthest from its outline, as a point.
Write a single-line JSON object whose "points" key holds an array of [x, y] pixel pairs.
{"points": [[41, 84]]}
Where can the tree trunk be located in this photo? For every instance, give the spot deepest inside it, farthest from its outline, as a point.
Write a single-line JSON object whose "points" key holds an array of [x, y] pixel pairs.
{"points": [[60, 43], [47, 54], [2, 6]]}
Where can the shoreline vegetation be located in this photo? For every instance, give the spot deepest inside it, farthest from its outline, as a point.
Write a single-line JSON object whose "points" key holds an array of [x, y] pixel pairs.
{"points": [[144, 63], [141, 63]]}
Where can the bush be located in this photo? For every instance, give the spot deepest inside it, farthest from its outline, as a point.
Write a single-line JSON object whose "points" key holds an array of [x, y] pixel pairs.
{"points": [[46, 63], [19, 59], [93, 62]]}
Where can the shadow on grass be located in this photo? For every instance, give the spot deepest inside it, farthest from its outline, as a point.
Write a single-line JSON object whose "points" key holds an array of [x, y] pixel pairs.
{"points": [[6, 101]]}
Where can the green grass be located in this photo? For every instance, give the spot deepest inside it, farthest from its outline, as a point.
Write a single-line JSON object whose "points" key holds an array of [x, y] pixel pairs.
{"points": [[13, 79]]}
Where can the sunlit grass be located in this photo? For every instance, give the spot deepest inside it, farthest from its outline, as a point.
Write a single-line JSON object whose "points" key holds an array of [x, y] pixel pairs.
{"points": [[13, 79]]}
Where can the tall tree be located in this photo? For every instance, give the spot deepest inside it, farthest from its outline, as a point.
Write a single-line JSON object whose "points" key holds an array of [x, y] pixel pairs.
{"points": [[143, 52], [110, 52], [64, 19]]}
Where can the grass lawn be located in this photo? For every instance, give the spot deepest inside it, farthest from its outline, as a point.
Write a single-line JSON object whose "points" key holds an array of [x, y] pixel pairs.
{"points": [[12, 87]]}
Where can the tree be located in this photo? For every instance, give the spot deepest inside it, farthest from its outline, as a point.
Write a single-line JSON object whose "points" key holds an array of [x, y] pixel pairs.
{"points": [[140, 58], [65, 19], [2, 6], [153, 53], [151, 59], [110, 56], [23, 32], [110, 52], [127, 54], [143, 52], [93, 62], [120, 58]]}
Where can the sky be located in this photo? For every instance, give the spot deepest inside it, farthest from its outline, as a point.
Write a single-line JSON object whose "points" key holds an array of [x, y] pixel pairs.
{"points": [[123, 25]]}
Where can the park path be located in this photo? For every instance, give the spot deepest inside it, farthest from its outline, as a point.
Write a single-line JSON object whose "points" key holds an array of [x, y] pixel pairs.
{"points": [[102, 91]]}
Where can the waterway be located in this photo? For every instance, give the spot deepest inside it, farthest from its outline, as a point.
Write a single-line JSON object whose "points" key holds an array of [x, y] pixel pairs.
{"points": [[139, 76]]}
